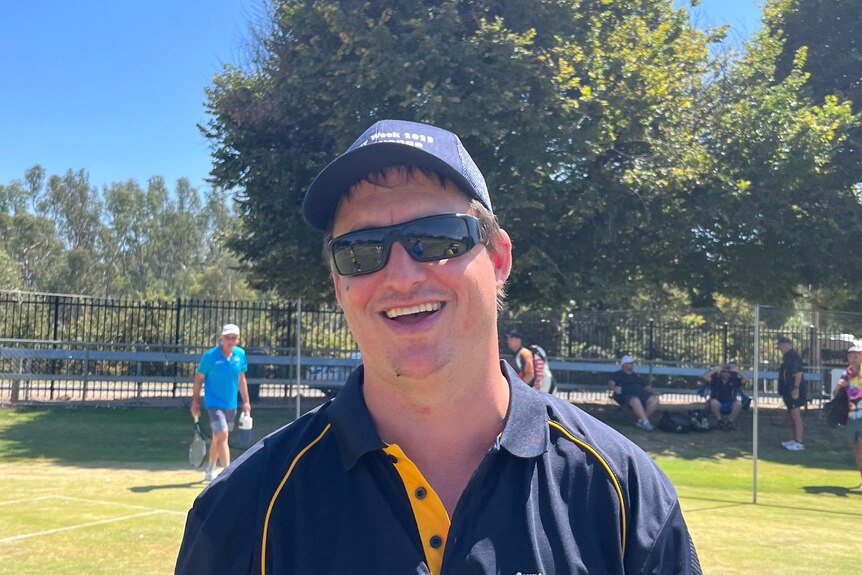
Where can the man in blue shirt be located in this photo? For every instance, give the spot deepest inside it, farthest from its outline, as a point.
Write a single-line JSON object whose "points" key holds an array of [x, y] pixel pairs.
{"points": [[434, 458], [222, 373]]}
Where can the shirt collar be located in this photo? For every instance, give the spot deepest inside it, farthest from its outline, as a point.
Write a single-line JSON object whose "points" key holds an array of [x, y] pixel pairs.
{"points": [[525, 433], [351, 421]]}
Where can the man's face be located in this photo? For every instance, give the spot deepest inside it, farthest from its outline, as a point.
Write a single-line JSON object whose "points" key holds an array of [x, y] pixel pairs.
{"points": [[412, 318], [854, 357], [725, 374], [784, 347], [514, 343], [628, 367], [228, 342]]}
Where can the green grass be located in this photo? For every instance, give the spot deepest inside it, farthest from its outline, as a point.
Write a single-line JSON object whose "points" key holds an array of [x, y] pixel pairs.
{"points": [[97, 490]]}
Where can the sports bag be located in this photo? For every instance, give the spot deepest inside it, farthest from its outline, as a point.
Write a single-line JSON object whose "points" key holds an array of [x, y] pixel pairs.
{"points": [[698, 420], [548, 385], [674, 422], [836, 409]]}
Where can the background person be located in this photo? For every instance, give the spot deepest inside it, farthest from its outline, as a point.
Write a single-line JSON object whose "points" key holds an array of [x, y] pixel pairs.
{"points": [[434, 457], [725, 387], [630, 389], [851, 382], [793, 389], [523, 359], [221, 373]]}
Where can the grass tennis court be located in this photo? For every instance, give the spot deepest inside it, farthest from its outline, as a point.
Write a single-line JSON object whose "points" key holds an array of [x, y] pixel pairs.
{"points": [[99, 490]]}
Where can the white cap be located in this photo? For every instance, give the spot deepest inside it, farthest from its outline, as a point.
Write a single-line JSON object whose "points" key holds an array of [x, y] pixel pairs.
{"points": [[230, 329], [856, 347], [627, 359]]}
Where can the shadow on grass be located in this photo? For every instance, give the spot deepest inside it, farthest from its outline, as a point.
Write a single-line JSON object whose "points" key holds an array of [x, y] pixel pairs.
{"points": [[147, 438], [832, 490], [149, 488], [727, 503], [113, 437], [826, 447]]}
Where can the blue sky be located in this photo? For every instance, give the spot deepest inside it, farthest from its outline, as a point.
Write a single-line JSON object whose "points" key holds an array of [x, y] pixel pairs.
{"points": [[116, 87]]}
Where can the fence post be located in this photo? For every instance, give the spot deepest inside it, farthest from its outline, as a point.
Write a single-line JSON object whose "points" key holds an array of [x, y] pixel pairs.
{"points": [[54, 337], [651, 348], [724, 343], [179, 309]]}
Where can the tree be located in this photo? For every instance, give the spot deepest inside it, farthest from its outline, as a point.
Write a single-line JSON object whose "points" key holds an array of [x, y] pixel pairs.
{"points": [[575, 112], [826, 34], [778, 212], [828, 31], [10, 274]]}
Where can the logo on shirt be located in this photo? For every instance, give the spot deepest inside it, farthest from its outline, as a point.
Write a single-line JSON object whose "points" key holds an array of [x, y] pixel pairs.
{"points": [[530, 573]]}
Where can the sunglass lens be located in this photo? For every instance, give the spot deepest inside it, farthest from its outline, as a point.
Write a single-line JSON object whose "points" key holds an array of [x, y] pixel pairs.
{"points": [[361, 253], [437, 239], [426, 240]]}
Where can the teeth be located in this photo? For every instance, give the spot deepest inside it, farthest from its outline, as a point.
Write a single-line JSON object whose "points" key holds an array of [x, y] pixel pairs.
{"points": [[400, 311]]}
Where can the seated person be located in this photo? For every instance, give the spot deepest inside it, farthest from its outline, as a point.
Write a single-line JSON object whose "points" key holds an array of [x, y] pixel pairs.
{"points": [[725, 389], [630, 389]]}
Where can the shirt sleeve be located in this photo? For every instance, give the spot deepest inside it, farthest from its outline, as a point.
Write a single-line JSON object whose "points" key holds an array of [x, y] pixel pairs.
{"points": [[672, 551], [217, 538]]}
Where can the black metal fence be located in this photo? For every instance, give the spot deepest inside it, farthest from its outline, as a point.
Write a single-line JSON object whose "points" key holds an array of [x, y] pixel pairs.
{"points": [[694, 338], [182, 322]]}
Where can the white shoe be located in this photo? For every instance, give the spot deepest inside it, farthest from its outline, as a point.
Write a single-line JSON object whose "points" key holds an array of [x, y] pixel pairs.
{"points": [[795, 446], [210, 474], [645, 425], [785, 444]]}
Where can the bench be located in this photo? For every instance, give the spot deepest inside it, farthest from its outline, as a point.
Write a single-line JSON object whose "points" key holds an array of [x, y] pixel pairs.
{"points": [[645, 370]]}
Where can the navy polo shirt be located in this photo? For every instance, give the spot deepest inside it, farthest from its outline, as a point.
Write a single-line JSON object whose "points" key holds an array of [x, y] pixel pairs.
{"points": [[557, 492], [723, 391], [631, 383]]}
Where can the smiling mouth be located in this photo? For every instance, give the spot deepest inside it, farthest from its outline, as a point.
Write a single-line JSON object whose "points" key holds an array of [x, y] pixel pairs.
{"points": [[416, 311]]}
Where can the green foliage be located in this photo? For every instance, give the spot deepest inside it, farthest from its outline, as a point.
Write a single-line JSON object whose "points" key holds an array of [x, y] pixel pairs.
{"points": [[66, 236], [777, 212], [572, 110], [828, 31]]}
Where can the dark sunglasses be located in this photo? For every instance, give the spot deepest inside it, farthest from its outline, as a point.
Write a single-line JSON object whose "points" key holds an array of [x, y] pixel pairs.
{"points": [[428, 239]]}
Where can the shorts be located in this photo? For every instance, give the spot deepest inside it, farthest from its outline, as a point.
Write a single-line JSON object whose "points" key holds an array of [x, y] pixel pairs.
{"points": [[625, 398], [795, 403], [725, 407], [854, 429], [221, 420]]}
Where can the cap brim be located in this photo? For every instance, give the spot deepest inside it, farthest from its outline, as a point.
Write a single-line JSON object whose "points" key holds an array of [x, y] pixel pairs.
{"points": [[323, 195]]}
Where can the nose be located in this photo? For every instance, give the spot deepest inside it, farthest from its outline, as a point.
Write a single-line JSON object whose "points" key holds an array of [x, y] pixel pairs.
{"points": [[402, 270]]}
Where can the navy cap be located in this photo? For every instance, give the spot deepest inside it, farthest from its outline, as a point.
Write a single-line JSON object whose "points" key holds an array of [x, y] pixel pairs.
{"points": [[393, 143], [783, 339], [515, 333]]}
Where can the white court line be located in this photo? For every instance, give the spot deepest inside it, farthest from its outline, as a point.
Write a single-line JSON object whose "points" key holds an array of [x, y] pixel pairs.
{"points": [[79, 526], [28, 500], [81, 499]]}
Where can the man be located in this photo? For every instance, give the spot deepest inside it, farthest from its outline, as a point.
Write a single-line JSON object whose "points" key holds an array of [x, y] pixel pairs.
{"points": [[851, 384], [434, 458], [523, 358], [793, 389], [724, 393], [222, 373], [628, 388]]}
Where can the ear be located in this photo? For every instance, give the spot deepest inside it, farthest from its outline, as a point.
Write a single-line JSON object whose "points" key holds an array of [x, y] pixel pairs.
{"points": [[501, 256]]}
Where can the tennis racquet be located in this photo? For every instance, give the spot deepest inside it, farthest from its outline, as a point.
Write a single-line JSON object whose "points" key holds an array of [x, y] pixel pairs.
{"points": [[198, 447]]}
